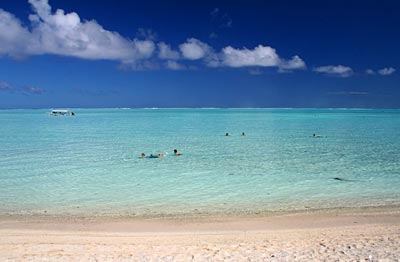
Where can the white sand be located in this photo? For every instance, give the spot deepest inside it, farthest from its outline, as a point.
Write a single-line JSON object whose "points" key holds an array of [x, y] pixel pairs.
{"points": [[329, 236]]}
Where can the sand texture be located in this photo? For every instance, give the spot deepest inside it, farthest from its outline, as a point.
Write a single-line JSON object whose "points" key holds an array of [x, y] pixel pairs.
{"points": [[321, 237]]}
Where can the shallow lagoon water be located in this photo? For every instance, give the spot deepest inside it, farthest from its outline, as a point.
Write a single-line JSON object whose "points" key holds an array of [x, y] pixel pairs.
{"points": [[90, 164]]}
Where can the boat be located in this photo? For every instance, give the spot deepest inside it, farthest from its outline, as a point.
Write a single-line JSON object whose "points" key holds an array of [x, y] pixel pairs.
{"points": [[61, 112]]}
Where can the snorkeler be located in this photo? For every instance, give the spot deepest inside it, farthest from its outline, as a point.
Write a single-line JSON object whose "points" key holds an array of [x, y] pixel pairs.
{"points": [[151, 156], [177, 153], [315, 136]]}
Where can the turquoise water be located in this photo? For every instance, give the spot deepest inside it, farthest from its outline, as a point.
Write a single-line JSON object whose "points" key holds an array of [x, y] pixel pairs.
{"points": [[89, 164]]}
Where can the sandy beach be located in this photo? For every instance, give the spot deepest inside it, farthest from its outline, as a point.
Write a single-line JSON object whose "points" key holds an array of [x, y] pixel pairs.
{"points": [[361, 235]]}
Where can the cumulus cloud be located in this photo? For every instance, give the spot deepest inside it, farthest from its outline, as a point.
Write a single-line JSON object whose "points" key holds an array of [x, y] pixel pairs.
{"points": [[173, 65], [66, 34], [259, 56], [165, 52], [295, 63], [262, 56], [15, 40], [61, 33], [339, 70], [386, 71], [194, 49]]}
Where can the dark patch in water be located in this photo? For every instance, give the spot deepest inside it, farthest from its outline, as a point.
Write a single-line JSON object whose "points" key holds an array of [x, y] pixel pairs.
{"points": [[338, 178], [343, 179]]}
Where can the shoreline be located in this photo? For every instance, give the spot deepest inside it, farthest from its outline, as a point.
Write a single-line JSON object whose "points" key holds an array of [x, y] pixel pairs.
{"points": [[221, 222], [370, 235]]}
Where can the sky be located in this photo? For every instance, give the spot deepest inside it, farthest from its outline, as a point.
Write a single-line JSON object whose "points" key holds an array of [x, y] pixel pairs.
{"points": [[120, 53]]}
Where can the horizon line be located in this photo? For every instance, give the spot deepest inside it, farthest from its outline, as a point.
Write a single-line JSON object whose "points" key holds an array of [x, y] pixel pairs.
{"points": [[155, 108]]}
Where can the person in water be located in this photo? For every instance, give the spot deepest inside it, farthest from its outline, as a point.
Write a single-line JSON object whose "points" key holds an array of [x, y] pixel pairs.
{"points": [[152, 156], [243, 134], [226, 134], [177, 153]]}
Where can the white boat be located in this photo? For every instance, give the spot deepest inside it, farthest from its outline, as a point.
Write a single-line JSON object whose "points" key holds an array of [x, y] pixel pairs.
{"points": [[61, 112]]}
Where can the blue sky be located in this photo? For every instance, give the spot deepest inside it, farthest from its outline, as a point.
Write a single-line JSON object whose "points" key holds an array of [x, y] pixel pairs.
{"points": [[70, 53]]}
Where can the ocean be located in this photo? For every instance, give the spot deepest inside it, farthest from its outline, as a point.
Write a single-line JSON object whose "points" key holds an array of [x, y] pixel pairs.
{"points": [[90, 164]]}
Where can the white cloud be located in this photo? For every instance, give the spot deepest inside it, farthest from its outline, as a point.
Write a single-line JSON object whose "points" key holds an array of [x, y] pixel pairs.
{"points": [[386, 71], [65, 34], [259, 56], [339, 70], [173, 65], [295, 63], [14, 38], [165, 52], [370, 72], [144, 48], [194, 49]]}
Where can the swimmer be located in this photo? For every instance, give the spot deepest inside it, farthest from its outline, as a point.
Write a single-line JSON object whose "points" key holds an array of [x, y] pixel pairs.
{"points": [[226, 134], [177, 153], [143, 155], [243, 134]]}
